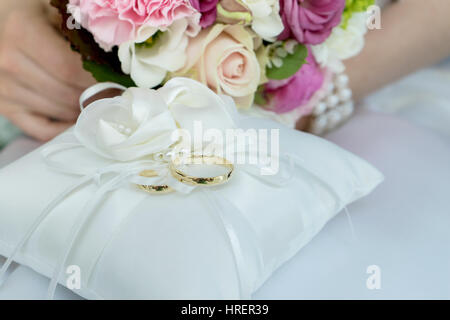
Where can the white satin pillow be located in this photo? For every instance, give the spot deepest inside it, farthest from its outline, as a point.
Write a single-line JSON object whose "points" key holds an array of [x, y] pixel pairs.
{"points": [[174, 246]]}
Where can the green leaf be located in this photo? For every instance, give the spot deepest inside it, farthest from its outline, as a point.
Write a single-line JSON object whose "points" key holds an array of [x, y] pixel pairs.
{"points": [[103, 73], [260, 98], [291, 64]]}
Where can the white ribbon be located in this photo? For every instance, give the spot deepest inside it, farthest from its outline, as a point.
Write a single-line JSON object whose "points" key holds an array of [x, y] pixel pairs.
{"points": [[96, 89]]}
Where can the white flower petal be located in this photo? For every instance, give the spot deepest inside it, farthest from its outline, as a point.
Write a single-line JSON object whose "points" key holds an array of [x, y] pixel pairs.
{"points": [[267, 22], [107, 135], [146, 75], [342, 43], [148, 67], [143, 111], [191, 101]]}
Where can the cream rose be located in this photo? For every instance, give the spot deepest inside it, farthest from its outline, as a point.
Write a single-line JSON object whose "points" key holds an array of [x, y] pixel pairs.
{"points": [[142, 122], [223, 57]]}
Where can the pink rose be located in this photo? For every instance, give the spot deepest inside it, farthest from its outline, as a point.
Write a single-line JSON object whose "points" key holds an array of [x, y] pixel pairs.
{"points": [[289, 94], [113, 22], [310, 21], [223, 58], [208, 9]]}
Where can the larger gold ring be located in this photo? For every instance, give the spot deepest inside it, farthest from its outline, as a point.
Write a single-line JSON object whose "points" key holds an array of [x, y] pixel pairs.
{"points": [[208, 181], [151, 188]]}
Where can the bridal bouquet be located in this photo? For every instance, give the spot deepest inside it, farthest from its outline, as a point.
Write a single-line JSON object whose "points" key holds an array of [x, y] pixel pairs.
{"points": [[280, 55]]}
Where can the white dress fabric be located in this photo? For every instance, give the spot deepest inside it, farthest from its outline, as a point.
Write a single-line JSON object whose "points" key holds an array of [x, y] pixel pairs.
{"points": [[402, 227], [423, 98]]}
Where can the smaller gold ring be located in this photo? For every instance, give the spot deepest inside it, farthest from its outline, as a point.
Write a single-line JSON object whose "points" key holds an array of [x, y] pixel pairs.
{"points": [[204, 181], [151, 188]]}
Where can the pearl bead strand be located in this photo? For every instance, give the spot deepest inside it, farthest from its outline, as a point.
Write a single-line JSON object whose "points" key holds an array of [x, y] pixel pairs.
{"points": [[335, 108]]}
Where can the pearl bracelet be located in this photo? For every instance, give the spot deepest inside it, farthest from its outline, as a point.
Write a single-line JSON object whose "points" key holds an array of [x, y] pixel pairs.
{"points": [[333, 109]]}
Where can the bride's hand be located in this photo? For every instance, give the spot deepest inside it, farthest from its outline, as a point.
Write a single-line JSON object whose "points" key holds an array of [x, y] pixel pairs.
{"points": [[40, 77], [414, 34]]}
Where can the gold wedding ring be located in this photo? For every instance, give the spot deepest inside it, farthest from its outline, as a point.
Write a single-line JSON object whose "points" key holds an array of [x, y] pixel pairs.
{"points": [[151, 188], [188, 179], [202, 181]]}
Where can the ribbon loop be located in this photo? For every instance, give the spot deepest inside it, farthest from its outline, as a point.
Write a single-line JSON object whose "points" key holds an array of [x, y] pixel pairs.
{"points": [[96, 89]]}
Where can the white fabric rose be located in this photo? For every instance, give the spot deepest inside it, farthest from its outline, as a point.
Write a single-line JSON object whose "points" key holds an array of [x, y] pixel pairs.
{"points": [[342, 43], [266, 21], [190, 101], [148, 66], [142, 121]]}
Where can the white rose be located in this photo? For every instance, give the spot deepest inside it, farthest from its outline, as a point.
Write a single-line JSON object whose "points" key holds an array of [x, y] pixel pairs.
{"points": [[142, 121], [266, 21], [342, 43], [148, 66]]}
